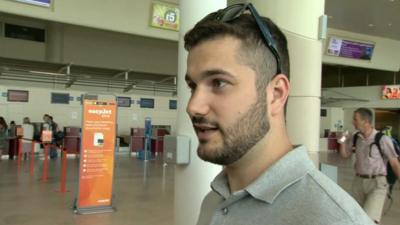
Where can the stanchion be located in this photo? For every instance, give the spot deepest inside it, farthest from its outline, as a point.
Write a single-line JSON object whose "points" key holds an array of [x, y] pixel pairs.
{"points": [[19, 156], [45, 163], [63, 177], [32, 159]]}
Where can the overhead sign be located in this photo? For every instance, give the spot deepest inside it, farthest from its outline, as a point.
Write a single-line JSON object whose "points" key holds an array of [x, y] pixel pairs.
{"points": [[165, 16], [391, 92], [46, 3], [350, 49], [97, 156]]}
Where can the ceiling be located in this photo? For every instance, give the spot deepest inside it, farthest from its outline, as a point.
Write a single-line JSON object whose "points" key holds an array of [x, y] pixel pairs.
{"points": [[373, 17]]}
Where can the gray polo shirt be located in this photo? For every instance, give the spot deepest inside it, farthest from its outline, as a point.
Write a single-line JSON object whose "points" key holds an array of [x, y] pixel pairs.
{"points": [[290, 192]]}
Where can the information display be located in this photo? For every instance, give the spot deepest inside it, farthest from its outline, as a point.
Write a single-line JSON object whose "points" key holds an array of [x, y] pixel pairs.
{"points": [[391, 92], [124, 101], [172, 104], [45, 3], [165, 16], [17, 96], [147, 103], [97, 155], [350, 49]]}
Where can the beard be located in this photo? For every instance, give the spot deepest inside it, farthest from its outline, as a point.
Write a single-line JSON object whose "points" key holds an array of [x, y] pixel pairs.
{"points": [[240, 137]]}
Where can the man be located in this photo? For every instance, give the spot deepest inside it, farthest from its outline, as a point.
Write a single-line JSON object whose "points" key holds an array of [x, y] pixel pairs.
{"points": [[239, 91], [370, 185], [27, 136], [49, 124]]}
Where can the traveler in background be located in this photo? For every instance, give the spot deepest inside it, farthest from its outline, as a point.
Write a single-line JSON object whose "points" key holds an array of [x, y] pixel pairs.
{"points": [[3, 136], [239, 89], [370, 186], [12, 140], [49, 124], [27, 136]]}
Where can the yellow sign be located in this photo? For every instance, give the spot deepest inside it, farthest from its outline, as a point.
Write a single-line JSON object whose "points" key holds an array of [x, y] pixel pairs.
{"points": [[165, 16]]}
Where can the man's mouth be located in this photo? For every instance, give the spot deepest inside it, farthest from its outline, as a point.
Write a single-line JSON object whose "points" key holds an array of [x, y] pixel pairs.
{"points": [[204, 131]]}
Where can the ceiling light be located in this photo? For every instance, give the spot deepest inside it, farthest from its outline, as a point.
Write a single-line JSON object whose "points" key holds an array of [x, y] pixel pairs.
{"points": [[389, 24], [371, 25], [47, 73]]}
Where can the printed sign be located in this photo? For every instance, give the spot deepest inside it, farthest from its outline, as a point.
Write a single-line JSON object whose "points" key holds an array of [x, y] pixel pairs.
{"points": [[47, 136], [97, 154], [165, 16], [19, 131], [391, 92], [350, 49], [45, 3]]}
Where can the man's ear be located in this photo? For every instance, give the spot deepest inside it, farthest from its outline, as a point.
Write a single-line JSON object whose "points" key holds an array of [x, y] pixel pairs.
{"points": [[279, 86]]}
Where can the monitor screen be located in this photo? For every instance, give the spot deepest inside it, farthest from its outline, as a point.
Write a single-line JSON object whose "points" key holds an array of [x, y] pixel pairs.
{"points": [[124, 101], [46, 3], [350, 49], [59, 98], [17, 96], [147, 103], [172, 104], [391, 92]]}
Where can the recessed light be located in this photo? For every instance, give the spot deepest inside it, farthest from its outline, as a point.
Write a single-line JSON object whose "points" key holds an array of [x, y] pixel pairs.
{"points": [[389, 24], [371, 25]]}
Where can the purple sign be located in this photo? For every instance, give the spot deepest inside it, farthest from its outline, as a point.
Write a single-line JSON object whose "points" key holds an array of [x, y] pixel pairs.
{"points": [[46, 3], [350, 49]]}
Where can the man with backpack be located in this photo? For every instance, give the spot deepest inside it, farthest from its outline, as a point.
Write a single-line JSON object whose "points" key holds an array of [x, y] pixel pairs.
{"points": [[374, 153]]}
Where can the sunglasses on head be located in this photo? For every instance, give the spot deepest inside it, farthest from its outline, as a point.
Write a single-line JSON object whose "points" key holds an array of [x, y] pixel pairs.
{"points": [[234, 11]]}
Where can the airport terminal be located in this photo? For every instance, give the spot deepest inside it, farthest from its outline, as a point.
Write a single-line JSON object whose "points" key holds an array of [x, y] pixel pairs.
{"points": [[94, 104]]}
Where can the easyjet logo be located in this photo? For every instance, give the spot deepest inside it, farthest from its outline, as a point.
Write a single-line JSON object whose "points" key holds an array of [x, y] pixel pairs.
{"points": [[100, 111]]}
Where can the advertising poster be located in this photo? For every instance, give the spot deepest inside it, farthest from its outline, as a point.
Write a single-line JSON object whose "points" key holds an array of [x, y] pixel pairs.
{"points": [[45, 3], [391, 92], [97, 155], [165, 16], [350, 49]]}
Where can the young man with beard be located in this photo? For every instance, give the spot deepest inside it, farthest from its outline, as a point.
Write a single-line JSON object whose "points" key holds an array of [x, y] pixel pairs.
{"points": [[237, 70]]}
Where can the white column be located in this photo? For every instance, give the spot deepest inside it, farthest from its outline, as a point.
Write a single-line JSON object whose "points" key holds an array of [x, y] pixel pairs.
{"points": [[192, 182], [55, 42], [299, 21]]}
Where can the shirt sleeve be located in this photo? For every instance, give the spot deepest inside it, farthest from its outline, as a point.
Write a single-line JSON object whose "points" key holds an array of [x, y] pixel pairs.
{"points": [[388, 148]]}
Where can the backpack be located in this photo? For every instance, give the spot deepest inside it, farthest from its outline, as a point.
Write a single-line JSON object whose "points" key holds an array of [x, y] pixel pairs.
{"points": [[391, 176]]}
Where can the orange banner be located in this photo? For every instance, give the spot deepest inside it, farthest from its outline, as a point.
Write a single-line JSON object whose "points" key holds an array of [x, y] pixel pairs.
{"points": [[97, 154]]}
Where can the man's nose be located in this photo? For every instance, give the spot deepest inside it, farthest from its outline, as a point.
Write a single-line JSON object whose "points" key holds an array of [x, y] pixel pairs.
{"points": [[198, 104]]}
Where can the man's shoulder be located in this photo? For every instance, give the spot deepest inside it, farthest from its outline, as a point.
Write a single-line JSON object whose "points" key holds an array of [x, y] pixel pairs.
{"points": [[332, 201]]}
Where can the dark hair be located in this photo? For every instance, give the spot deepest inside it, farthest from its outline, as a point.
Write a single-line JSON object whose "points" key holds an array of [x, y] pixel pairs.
{"points": [[3, 122], [366, 114], [253, 50]]}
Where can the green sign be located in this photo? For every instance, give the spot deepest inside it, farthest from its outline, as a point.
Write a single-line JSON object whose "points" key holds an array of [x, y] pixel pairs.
{"points": [[165, 16]]}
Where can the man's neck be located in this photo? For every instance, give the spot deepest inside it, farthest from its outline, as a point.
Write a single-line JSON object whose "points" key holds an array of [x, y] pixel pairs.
{"points": [[366, 132], [264, 154]]}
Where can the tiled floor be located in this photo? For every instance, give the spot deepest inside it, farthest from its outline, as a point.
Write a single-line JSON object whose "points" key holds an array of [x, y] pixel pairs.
{"points": [[139, 199], [143, 194]]}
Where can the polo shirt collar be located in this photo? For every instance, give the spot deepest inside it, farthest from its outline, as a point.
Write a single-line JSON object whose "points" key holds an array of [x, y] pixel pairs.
{"points": [[289, 169], [371, 136]]}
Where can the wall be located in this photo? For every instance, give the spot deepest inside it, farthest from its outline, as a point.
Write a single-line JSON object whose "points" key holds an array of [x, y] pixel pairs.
{"points": [[100, 48], [371, 96], [70, 115], [126, 16], [385, 57], [91, 47], [334, 118]]}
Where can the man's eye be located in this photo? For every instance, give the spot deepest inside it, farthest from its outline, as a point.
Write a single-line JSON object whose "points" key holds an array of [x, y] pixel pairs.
{"points": [[219, 83]]}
